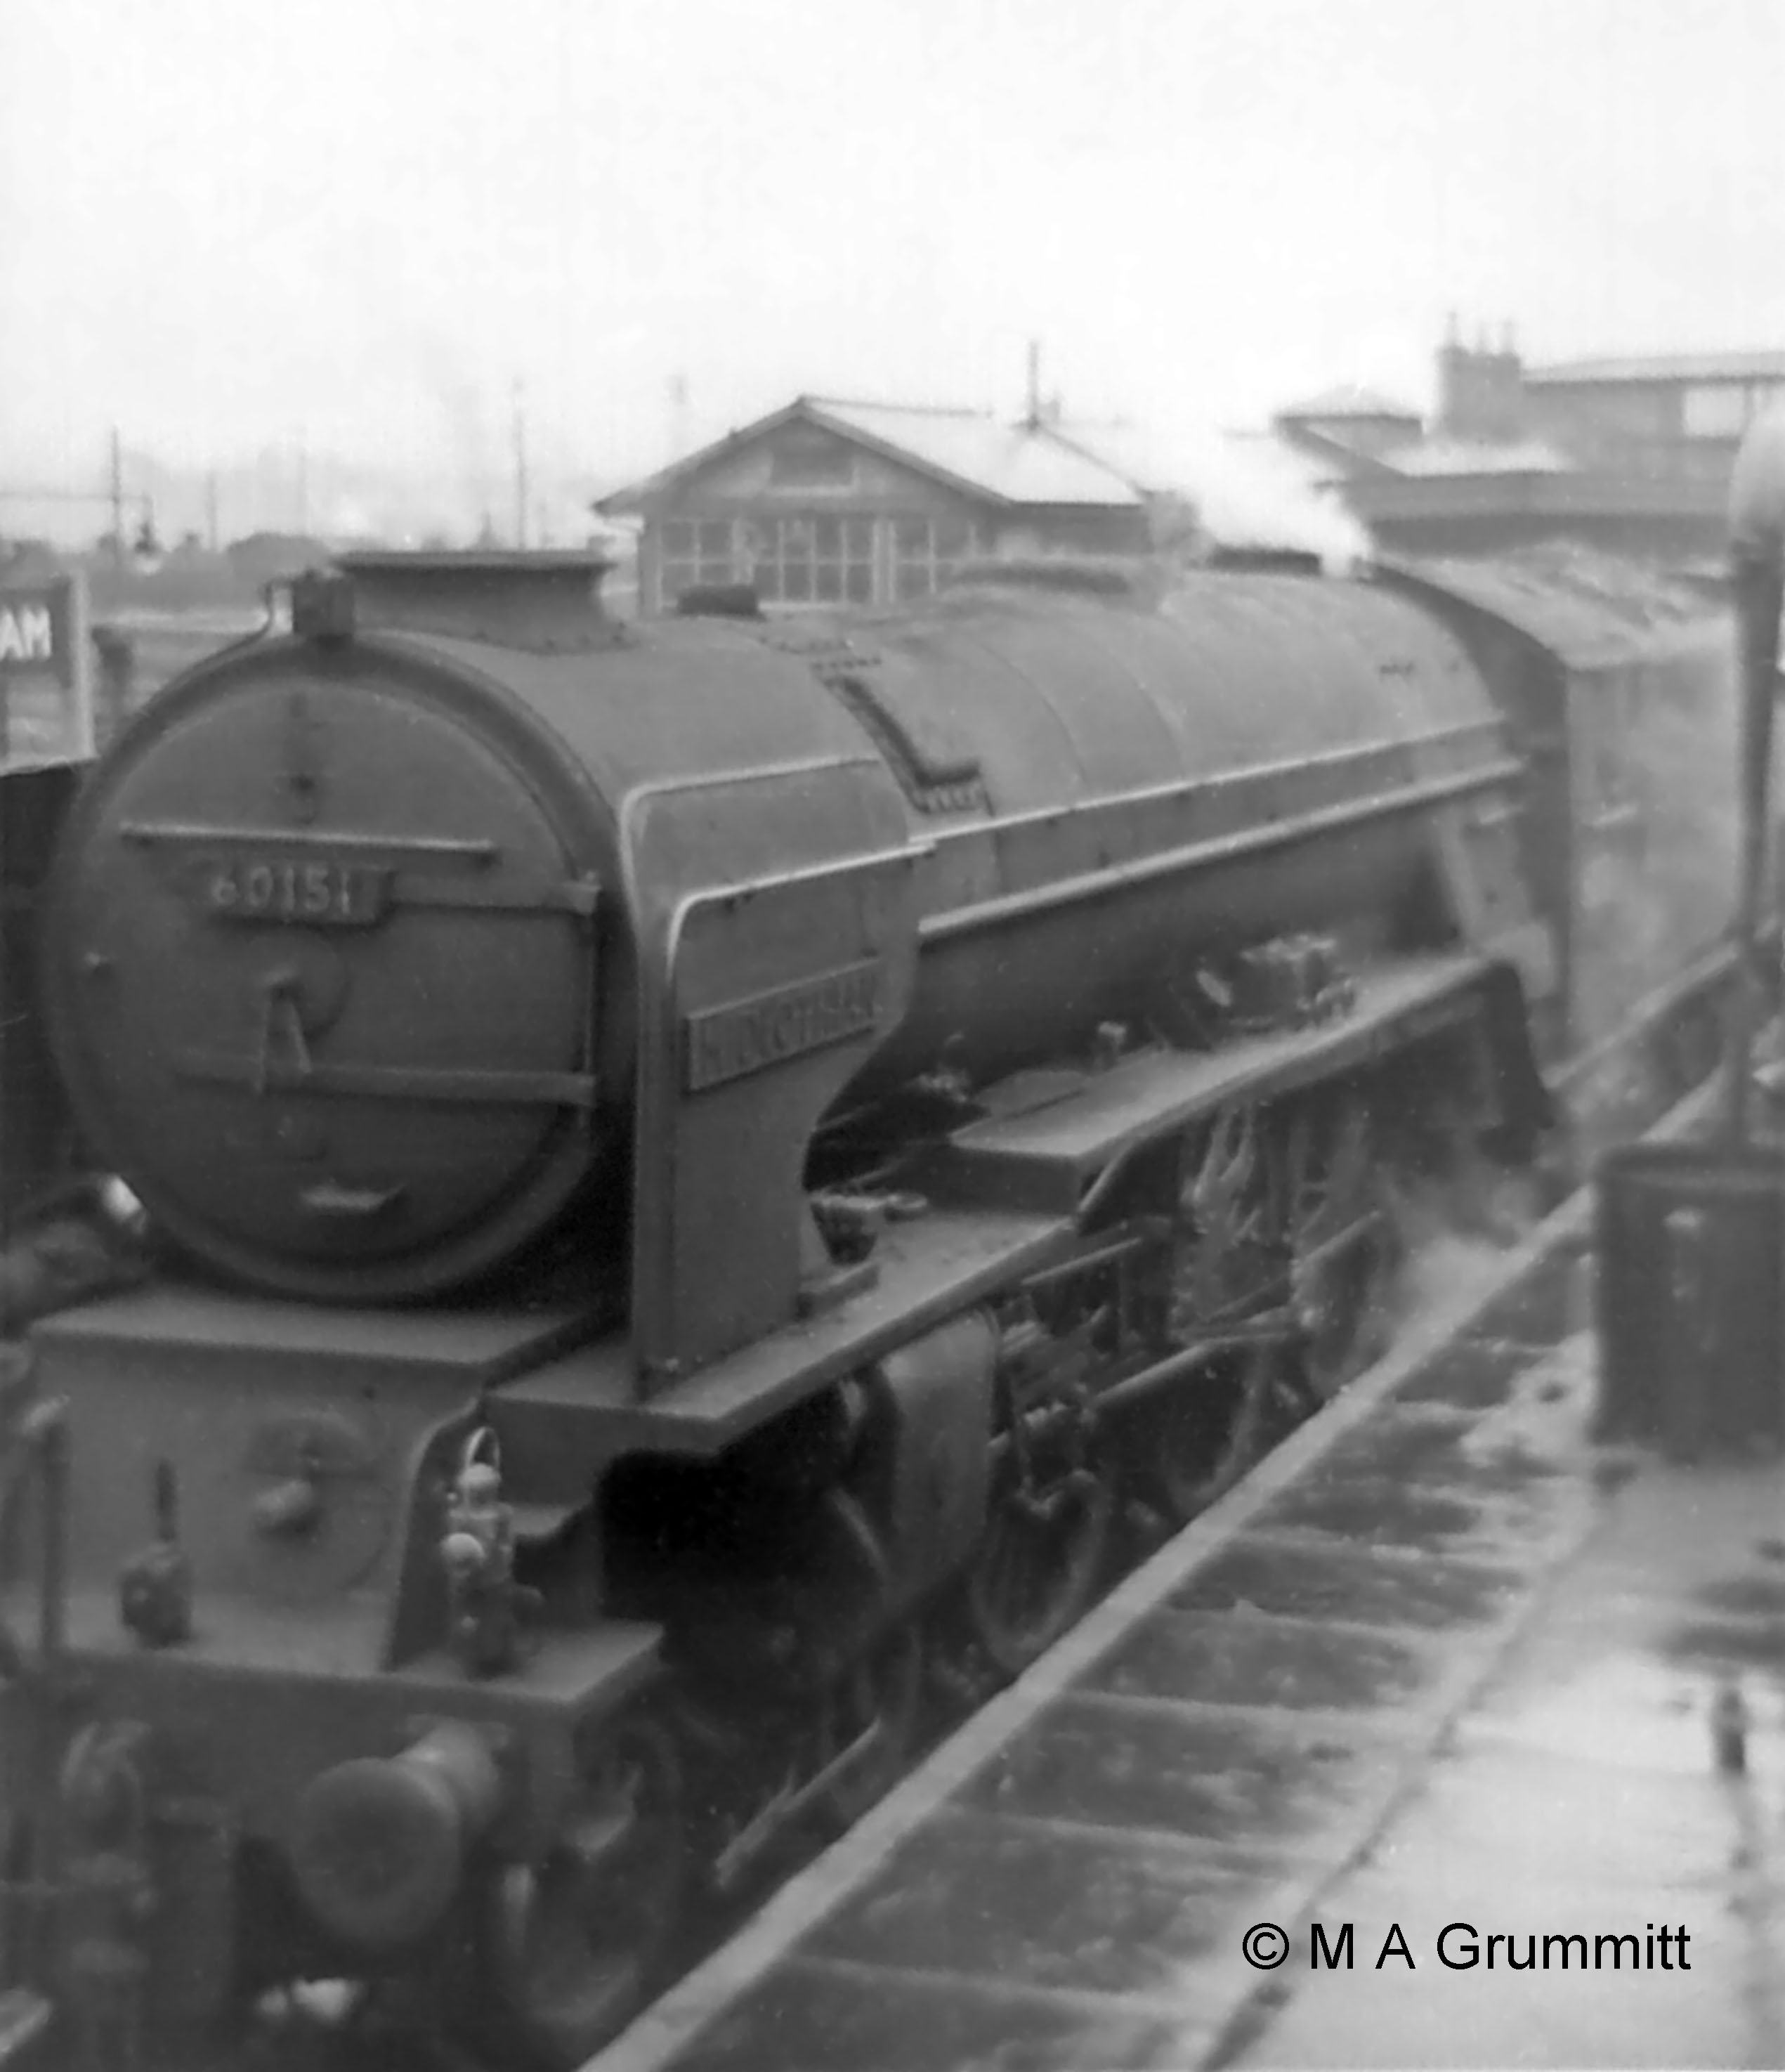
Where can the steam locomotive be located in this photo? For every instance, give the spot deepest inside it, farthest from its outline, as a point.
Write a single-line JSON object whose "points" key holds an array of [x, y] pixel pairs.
{"points": [[690, 1170]]}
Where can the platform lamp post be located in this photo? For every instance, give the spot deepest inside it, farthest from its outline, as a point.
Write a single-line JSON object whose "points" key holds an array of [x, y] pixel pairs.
{"points": [[1757, 547]]}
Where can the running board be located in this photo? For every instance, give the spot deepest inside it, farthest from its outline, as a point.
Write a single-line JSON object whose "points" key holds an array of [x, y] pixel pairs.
{"points": [[1040, 1158]]}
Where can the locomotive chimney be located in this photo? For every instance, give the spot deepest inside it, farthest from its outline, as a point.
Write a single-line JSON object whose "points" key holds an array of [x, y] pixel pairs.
{"points": [[544, 603]]}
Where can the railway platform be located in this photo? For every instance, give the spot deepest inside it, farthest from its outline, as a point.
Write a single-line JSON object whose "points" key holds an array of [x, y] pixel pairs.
{"points": [[1622, 1773], [1442, 1665]]}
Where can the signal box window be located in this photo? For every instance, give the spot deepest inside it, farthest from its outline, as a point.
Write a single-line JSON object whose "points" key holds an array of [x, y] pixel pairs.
{"points": [[695, 551], [926, 551], [812, 561]]}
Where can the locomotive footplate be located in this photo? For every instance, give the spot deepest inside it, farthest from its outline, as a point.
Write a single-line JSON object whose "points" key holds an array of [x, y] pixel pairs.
{"points": [[1042, 1159], [474, 1347], [560, 1422]]}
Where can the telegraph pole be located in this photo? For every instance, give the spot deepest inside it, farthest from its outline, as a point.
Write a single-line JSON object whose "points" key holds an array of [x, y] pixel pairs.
{"points": [[117, 500], [520, 466]]}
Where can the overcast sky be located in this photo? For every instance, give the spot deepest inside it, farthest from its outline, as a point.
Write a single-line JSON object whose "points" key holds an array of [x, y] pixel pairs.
{"points": [[222, 221]]}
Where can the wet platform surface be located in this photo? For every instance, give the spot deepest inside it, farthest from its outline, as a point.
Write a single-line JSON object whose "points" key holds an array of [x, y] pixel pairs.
{"points": [[1582, 1795], [1448, 1664]]}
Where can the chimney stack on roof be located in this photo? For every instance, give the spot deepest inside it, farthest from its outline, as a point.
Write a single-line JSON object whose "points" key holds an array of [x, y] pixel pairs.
{"points": [[1480, 392]]}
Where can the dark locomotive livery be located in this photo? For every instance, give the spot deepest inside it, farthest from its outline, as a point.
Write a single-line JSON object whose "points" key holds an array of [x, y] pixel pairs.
{"points": [[688, 1169]]}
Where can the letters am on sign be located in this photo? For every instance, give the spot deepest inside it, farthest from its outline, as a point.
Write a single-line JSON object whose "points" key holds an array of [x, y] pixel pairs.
{"points": [[27, 634], [34, 628], [46, 674]]}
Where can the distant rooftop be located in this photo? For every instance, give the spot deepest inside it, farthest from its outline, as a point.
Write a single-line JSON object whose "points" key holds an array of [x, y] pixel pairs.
{"points": [[1768, 366], [1048, 462], [1045, 463], [1348, 399], [1244, 493], [1443, 456]]}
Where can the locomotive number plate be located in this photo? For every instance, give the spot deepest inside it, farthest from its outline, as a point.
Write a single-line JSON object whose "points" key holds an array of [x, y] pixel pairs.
{"points": [[263, 887]]}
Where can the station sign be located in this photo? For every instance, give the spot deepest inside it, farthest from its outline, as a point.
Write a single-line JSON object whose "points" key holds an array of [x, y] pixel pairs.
{"points": [[45, 670]]}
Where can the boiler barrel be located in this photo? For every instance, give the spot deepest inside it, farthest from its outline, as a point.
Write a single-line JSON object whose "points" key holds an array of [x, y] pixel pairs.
{"points": [[346, 944]]}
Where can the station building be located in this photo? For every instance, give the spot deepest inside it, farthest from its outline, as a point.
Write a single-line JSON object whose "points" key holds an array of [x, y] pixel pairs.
{"points": [[829, 502], [1630, 455], [1676, 418]]}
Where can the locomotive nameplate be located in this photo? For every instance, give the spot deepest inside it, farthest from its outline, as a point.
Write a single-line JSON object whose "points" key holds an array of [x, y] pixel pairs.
{"points": [[263, 887], [746, 1036]]}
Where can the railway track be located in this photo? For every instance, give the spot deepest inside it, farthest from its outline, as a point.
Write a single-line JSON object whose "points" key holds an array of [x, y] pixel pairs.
{"points": [[1066, 1880]]}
